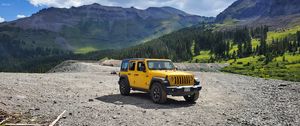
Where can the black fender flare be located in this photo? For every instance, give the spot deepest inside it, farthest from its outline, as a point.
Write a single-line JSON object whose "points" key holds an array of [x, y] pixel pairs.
{"points": [[160, 80]]}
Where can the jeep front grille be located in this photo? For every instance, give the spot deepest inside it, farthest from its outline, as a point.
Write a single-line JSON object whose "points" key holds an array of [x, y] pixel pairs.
{"points": [[182, 80]]}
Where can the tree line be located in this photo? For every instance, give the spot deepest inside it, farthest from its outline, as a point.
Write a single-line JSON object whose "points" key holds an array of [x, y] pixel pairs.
{"points": [[177, 45]]}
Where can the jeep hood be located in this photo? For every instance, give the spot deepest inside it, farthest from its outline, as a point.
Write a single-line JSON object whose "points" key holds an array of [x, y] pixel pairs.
{"points": [[164, 73]]}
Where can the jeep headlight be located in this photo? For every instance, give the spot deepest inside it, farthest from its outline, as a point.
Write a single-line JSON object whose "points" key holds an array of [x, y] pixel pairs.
{"points": [[197, 81]]}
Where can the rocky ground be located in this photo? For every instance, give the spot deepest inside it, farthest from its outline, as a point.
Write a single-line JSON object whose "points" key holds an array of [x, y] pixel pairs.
{"points": [[90, 97]]}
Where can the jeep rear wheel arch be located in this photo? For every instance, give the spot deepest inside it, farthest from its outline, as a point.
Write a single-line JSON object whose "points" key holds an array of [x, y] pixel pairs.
{"points": [[123, 77], [124, 87]]}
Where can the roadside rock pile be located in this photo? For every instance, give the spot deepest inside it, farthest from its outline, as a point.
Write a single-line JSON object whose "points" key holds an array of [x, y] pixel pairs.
{"points": [[111, 62], [73, 66], [203, 67]]}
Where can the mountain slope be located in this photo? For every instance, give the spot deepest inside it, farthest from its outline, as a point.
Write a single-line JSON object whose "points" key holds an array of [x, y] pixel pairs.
{"points": [[275, 13], [101, 27]]}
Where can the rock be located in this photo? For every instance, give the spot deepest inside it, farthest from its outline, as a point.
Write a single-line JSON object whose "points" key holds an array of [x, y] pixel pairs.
{"points": [[113, 72], [114, 117], [33, 108], [54, 102], [70, 114], [282, 85], [91, 100], [4, 103], [33, 119]]}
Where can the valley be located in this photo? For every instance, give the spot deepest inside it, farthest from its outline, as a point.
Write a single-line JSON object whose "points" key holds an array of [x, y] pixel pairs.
{"points": [[90, 96], [247, 57]]}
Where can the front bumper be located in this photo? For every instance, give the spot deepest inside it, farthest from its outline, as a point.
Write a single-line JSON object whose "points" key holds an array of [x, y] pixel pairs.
{"points": [[182, 90]]}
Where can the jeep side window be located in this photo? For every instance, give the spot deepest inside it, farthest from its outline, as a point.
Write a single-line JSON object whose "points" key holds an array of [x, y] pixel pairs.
{"points": [[141, 66], [124, 66], [132, 66]]}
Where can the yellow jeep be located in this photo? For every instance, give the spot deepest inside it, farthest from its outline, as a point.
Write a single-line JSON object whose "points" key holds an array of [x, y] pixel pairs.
{"points": [[158, 77]]}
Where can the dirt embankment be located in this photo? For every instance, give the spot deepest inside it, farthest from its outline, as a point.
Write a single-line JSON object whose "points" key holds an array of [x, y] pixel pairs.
{"points": [[90, 96]]}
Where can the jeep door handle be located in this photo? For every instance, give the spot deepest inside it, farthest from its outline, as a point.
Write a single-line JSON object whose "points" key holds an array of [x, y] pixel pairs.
{"points": [[129, 73], [136, 74]]}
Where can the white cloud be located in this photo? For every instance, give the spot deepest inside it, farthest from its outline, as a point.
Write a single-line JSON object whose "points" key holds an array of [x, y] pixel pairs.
{"points": [[2, 19], [199, 7], [21, 16], [67, 3]]}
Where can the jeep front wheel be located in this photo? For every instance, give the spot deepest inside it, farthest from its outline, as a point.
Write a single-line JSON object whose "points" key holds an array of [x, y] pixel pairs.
{"points": [[158, 94], [192, 98], [124, 87]]}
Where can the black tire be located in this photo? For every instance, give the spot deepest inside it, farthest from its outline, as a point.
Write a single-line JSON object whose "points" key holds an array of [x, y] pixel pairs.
{"points": [[158, 94], [124, 87], [192, 98]]}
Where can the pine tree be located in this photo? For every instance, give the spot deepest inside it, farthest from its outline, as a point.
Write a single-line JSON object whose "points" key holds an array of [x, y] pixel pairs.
{"points": [[298, 38], [240, 50]]}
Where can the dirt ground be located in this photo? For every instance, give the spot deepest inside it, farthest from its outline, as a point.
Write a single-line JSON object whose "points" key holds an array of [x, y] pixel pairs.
{"points": [[92, 98]]}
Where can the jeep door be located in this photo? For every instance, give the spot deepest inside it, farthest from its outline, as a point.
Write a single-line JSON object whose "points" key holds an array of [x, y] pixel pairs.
{"points": [[140, 75], [130, 73]]}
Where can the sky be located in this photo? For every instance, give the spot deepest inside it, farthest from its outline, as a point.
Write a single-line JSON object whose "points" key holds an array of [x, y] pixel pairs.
{"points": [[15, 9]]}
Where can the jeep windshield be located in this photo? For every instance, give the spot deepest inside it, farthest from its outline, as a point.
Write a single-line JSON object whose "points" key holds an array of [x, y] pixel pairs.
{"points": [[160, 65]]}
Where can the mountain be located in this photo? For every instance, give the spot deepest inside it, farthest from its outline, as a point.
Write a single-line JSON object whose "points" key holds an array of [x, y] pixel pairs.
{"points": [[93, 27], [275, 13]]}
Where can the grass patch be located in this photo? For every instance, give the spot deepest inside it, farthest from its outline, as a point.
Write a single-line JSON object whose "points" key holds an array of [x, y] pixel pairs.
{"points": [[203, 57], [85, 50], [255, 43], [233, 47], [282, 33], [277, 69], [289, 58]]}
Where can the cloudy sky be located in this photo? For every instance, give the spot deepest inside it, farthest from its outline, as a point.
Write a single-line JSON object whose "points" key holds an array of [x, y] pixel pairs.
{"points": [[14, 9]]}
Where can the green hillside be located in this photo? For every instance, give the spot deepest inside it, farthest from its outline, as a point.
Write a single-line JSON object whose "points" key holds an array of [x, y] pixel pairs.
{"points": [[249, 51], [286, 67]]}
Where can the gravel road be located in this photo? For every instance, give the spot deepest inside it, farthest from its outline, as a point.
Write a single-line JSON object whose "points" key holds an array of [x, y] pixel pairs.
{"points": [[92, 98]]}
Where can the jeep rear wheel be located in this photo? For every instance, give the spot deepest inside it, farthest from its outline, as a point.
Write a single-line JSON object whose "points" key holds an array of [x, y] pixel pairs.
{"points": [[192, 98], [158, 94], [124, 87]]}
